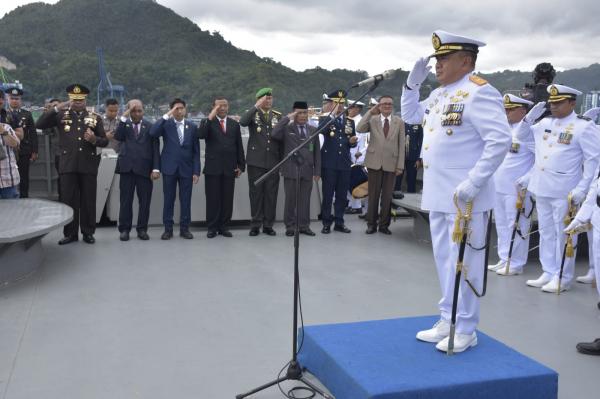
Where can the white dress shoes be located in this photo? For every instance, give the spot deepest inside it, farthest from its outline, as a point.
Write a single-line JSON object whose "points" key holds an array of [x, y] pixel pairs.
{"points": [[511, 271], [497, 266], [588, 278], [540, 281], [552, 286], [438, 332], [462, 342]]}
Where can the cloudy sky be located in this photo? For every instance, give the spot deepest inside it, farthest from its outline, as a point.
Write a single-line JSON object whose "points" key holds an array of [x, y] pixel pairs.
{"points": [[376, 36]]}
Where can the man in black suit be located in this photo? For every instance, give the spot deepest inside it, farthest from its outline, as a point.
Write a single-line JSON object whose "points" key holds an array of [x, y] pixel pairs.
{"points": [[138, 164], [179, 164], [28, 149], [293, 130], [224, 162]]}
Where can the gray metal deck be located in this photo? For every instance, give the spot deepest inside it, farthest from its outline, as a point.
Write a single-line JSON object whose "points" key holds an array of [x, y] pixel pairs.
{"points": [[212, 318]]}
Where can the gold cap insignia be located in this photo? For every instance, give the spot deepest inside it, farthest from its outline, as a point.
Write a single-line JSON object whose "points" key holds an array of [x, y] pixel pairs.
{"points": [[506, 99], [435, 40], [76, 90], [553, 90], [340, 94]]}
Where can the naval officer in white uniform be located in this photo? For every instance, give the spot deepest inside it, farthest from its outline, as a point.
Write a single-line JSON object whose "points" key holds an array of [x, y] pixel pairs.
{"points": [[567, 150], [590, 212], [517, 163], [465, 138]]}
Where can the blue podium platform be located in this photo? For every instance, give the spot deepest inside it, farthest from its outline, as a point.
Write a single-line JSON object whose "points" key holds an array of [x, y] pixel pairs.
{"points": [[383, 360]]}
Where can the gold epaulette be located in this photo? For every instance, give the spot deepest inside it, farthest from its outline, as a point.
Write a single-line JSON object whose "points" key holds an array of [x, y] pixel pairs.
{"points": [[478, 80], [276, 112]]}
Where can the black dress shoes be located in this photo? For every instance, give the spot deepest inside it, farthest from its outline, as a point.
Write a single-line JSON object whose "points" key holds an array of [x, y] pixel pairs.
{"points": [[397, 195], [225, 233], [124, 236], [289, 233], [211, 234], [341, 228], [326, 229], [88, 238], [269, 231], [142, 235], [307, 231], [186, 234], [589, 348], [68, 240], [167, 235], [253, 232], [385, 230], [363, 216], [371, 230]]}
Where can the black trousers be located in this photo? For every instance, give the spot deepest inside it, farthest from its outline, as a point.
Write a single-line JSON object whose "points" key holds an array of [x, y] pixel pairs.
{"points": [[289, 213], [219, 201], [263, 198], [142, 185], [23, 165], [78, 190]]}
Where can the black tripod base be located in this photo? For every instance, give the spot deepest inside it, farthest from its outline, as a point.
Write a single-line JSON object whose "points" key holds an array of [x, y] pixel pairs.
{"points": [[294, 373]]}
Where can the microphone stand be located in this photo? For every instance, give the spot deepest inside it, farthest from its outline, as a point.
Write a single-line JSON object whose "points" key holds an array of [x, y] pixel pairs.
{"points": [[295, 371]]}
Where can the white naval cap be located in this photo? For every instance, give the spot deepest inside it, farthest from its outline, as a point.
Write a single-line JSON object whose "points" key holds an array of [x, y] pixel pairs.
{"points": [[325, 97], [512, 101], [561, 92], [358, 103], [446, 43]]}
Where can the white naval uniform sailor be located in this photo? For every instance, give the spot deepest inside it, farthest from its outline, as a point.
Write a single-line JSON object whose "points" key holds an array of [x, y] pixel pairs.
{"points": [[517, 163], [563, 146], [590, 212], [361, 147], [465, 138]]}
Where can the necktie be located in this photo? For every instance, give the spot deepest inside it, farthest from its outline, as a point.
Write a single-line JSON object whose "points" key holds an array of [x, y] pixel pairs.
{"points": [[302, 132], [136, 130], [222, 121], [386, 127], [180, 132]]}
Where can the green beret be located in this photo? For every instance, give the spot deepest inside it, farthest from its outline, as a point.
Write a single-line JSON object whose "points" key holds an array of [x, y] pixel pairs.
{"points": [[265, 91]]}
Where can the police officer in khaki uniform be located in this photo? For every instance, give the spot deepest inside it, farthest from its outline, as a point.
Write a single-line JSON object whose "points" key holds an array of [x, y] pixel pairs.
{"points": [[80, 132], [262, 154]]}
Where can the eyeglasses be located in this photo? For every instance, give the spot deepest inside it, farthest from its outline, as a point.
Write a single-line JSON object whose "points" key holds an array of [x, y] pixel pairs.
{"points": [[386, 103]]}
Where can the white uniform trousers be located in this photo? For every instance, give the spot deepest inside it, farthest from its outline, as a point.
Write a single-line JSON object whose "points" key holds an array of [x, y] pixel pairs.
{"points": [[354, 203], [593, 241], [445, 253], [551, 213], [505, 213]]}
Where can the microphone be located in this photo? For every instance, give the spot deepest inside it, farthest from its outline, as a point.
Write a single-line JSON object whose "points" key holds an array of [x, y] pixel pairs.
{"points": [[376, 78]]}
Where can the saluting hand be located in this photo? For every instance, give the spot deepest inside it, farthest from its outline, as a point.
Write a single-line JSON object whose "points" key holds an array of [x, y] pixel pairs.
{"points": [[292, 115], [261, 101], [64, 105], [213, 112], [375, 110], [89, 136]]}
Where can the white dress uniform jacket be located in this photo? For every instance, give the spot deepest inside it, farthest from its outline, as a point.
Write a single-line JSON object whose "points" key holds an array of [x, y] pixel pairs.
{"points": [[465, 135]]}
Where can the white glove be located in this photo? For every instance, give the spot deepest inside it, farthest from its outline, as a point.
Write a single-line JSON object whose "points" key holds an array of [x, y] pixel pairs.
{"points": [[466, 191], [419, 73], [577, 196], [592, 113], [523, 182], [535, 112], [575, 224]]}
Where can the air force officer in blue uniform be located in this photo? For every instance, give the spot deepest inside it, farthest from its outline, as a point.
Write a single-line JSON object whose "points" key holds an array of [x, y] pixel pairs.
{"points": [[339, 137]]}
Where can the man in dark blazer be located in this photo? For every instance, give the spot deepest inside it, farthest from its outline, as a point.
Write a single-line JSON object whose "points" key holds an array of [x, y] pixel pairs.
{"points": [[224, 162], [79, 133], [293, 130], [179, 164], [338, 138], [138, 164], [261, 155]]}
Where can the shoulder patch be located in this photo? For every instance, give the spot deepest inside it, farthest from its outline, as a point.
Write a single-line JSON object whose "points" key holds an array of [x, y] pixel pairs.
{"points": [[478, 80], [585, 118]]}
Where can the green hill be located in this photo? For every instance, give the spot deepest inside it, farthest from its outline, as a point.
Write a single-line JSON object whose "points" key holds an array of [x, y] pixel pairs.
{"points": [[159, 55]]}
